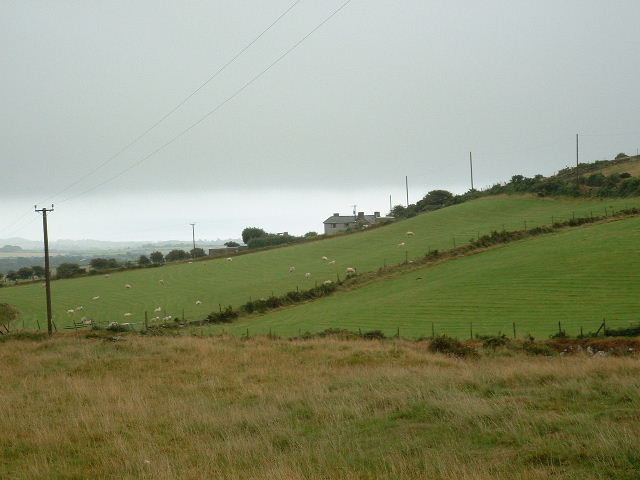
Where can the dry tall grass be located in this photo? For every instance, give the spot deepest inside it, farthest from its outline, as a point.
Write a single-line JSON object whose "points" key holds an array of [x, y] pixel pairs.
{"points": [[191, 408]]}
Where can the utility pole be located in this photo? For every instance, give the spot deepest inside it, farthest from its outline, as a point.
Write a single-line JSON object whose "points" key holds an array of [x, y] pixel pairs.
{"points": [[390, 207], [47, 270], [471, 167], [193, 236], [406, 186], [577, 159]]}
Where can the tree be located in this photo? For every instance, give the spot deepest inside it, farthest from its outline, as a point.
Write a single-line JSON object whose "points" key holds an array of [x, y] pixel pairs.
{"points": [[197, 252], [436, 199], [103, 263], [231, 244], [68, 270], [621, 155], [143, 261], [38, 271], [25, 273], [175, 255], [157, 257], [12, 275], [252, 232], [7, 315], [310, 234]]}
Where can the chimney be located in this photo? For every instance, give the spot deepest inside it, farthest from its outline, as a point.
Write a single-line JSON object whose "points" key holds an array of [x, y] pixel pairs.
{"points": [[336, 214], [360, 215], [376, 214]]}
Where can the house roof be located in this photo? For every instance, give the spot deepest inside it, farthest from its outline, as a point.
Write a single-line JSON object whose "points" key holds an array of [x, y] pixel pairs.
{"points": [[349, 219]]}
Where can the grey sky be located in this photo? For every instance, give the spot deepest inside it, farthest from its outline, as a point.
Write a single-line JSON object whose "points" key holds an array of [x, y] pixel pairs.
{"points": [[382, 90]]}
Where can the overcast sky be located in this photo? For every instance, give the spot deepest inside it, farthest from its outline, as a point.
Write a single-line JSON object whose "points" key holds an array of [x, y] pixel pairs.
{"points": [[383, 89]]}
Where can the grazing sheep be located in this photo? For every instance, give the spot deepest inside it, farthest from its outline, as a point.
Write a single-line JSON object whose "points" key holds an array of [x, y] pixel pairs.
{"points": [[127, 285], [325, 258], [292, 269], [85, 321], [189, 262], [307, 276], [229, 259], [351, 270], [128, 314], [155, 319], [157, 310], [44, 284], [198, 302], [332, 262], [161, 282], [97, 297], [113, 324], [107, 276], [71, 310], [401, 244], [79, 308], [410, 234], [167, 318], [327, 282]]}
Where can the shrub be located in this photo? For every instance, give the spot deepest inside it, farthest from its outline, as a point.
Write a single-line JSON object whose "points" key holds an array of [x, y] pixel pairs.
{"points": [[533, 348], [374, 335], [452, 346], [492, 342], [231, 244], [225, 316]]}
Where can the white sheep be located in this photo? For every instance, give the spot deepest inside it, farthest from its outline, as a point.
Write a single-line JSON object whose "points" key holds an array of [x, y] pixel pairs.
{"points": [[198, 302], [325, 258], [307, 276], [86, 321], [410, 234], [167, 318], [127, 315], [161, 282], [154, 319], [401, 244], [229, 259], [292, 269], [97, 297], [327, 282], [113, 324], [351, 270], [157, 310], [107, 276], [126, 285], [189, 262], [71, 310], [332, 262], [80, 307]]}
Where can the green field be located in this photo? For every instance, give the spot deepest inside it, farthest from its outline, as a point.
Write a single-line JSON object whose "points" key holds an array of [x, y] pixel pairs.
{"points": [[258, 274], [577, 277]]}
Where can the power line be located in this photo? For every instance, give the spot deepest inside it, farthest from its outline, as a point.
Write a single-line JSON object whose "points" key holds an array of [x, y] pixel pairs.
{"points": [[214, 110], [180, 104]]}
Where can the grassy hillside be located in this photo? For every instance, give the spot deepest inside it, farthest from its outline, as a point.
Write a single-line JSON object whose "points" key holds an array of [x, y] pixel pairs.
{"points": [[190, 408], [258, 274], [577, 277]]}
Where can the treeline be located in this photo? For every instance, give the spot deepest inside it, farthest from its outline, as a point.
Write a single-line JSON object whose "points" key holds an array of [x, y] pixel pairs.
{"points": [[564, 183], [255, 237]]}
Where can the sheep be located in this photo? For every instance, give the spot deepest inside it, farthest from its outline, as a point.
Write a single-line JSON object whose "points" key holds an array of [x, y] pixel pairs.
{"points": [[80, 307], [327, 282], [351, 270], [307, 276], [107, 276], [71, 310], [332, 262], [126, 285], [189, 262], [127, 315], [161, 282], [167, 318], [325, 258], [401, 244], [292, 269], [155, 319], [229, 259], [97, 297], [113, 324], [157, 310], [198, 302], [410, 234], [85, 321]]}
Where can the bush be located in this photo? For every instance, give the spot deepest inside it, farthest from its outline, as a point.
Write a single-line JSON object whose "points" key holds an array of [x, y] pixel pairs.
{"points": [[227, 315], [374, 335], [533, 348], [451, 346], [68, 270], [231, 244], [175, 255], [492, 342]]}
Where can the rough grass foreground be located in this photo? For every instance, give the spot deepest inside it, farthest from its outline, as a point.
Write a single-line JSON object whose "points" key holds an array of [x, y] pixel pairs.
{"points": [[191, 408]]}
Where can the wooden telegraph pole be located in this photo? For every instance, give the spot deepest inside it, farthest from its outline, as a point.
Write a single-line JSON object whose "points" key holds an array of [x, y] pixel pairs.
{"points": [[577, 159], [47, 269], [471, 167]]}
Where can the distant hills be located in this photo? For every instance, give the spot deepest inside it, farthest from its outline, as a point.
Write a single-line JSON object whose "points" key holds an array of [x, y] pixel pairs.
{"points": [[17, 244]]}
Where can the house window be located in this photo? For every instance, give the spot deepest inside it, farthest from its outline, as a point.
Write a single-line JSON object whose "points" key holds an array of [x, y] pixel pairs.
{"points": [[333, 225]]}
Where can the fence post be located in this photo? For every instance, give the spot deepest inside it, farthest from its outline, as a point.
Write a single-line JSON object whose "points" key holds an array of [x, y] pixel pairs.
{"points": [[220, 307], [514, 330], [471, 330], [559, 327], [581, 334], [398, 333], [38, 323], [146, 320], [433, 331]]}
